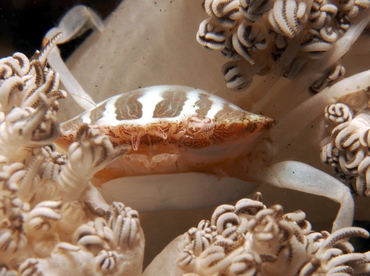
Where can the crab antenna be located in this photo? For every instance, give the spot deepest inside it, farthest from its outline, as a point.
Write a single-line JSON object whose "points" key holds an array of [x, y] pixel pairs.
{"points": [[74, 23]]}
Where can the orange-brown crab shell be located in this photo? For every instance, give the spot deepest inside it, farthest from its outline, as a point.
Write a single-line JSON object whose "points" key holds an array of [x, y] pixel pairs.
{"points": [[171, 129]]}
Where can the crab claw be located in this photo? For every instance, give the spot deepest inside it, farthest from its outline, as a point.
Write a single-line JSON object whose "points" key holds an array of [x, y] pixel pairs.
{"points": [[74, 23]]}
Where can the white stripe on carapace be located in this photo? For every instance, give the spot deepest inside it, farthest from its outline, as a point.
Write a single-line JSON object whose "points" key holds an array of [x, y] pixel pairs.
{"points": [[110, 113], [217, 105], [190, 104], [149, 100]]}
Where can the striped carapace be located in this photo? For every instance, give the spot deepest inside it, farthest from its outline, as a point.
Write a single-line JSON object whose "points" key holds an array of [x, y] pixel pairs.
{"points": [[171, 129]]}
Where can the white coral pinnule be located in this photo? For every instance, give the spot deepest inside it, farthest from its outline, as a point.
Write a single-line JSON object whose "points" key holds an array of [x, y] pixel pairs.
{"points": [[28, 127], [89, 154], [109, 245], [106, 260], [282, 37], [29, 93], [115, 240], [45, 196], [11, 84], [39, 226], [125, 224], [250, 239], [13, 240], [332, 253], [95, 235], [346, 150], [42, 218], [287, 17], [23, 80]]}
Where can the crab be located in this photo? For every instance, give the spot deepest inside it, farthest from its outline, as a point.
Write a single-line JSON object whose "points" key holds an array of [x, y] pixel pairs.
{"points": [[241, 171]]}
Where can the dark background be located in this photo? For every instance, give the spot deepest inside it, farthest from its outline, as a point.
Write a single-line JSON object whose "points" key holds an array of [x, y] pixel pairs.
{"points": [[23, 23]]}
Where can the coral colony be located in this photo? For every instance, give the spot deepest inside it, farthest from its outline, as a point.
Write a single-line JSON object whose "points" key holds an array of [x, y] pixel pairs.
{"points": [[56, 178]]}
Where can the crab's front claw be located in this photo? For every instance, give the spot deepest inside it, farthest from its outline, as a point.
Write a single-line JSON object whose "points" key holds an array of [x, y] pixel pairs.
{"points": [[74, 23], [78, 20]]}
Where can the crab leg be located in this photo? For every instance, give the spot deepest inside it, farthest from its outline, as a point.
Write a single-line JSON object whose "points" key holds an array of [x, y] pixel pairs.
{"points": [[304, 178], [74, 23]]}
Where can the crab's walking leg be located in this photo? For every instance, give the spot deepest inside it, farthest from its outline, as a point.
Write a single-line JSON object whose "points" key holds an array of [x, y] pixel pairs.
{"points": [[302, 177], [75, 22]]}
